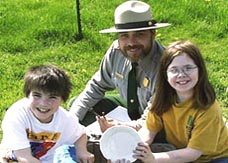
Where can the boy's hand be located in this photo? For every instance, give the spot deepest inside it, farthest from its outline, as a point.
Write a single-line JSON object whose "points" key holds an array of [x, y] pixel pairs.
{"points": [[85, 156]]}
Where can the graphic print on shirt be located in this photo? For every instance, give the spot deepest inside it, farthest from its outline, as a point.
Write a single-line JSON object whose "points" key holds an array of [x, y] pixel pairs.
{"points": [[41, 142], [189, 126]]}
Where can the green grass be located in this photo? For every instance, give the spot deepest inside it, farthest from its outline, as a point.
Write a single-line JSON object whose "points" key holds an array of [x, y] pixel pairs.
{"points": [[44, 31]]}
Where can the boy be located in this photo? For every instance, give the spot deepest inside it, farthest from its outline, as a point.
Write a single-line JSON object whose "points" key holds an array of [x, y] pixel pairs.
{"points": [[35, 126]]}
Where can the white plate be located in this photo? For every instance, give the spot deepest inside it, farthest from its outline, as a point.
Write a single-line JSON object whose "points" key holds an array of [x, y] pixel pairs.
{"points": [[118, 142]]}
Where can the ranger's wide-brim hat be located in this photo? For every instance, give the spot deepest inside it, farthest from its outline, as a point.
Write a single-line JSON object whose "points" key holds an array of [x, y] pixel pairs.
{"points": [[133, 16]]}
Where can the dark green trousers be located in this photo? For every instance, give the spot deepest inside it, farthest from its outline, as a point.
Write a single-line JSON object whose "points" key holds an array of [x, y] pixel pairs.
{"points": [[107, 104]]}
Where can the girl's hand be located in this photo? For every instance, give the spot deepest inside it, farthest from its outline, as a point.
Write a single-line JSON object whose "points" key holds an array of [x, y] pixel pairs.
{"points": [[144, 153]]}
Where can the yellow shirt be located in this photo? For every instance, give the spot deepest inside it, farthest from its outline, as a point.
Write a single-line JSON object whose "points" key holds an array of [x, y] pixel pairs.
{"points": [[204, 130]]}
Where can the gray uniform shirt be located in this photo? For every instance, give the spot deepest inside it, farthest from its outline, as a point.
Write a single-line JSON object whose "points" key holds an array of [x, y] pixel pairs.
{"points": [[113, 74]]}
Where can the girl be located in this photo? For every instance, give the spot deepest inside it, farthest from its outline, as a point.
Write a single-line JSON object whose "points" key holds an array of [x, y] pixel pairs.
{"points": [[185, 106]]}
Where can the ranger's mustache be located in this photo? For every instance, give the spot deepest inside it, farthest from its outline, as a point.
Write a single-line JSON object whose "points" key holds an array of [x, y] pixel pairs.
{"points": [[129, 47]]}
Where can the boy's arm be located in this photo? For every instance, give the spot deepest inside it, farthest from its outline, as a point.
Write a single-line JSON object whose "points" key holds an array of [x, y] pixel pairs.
{"points": [[24, 156], [81, 150]]}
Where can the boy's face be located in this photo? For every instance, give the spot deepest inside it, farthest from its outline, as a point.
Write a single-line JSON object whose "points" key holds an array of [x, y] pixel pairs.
{"points": [[44, 105]]}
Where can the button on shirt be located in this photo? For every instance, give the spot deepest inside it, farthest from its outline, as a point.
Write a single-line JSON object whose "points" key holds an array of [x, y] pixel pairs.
{"points": [[113, 75]]}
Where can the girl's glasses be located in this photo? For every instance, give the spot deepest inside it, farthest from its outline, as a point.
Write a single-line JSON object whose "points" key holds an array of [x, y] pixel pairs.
{"points": [[188, 69]]}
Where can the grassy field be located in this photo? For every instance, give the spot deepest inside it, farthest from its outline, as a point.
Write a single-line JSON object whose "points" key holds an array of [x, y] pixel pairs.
{"points": [[45, 31]]}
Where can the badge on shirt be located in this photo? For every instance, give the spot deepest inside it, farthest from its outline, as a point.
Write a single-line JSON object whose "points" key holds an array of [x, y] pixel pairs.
{"points": [[119, 75], [145, 82]]}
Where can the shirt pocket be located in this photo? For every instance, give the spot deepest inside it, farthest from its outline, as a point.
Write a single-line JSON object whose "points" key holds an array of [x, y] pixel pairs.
{"points": [[144, 94], [120, 83]]}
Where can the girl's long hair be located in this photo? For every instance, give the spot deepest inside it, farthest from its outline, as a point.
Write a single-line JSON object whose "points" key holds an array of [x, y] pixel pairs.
{"points": [[165, 96]]}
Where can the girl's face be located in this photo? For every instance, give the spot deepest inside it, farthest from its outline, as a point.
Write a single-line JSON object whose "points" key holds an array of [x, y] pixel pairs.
{"points": [[182, 75], [44, 105]]}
